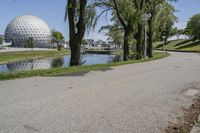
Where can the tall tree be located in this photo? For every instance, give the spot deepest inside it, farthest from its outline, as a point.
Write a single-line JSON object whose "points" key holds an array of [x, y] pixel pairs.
{"points": [[125, 14], [153, 7], [76, 12], [114, 33], [139, 6], [193, 27]]}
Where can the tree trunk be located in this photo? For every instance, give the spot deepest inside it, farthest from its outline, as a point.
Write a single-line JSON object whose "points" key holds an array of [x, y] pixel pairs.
{"points": [[139, 39], [75, 51], [76, 30], [150, 40], [126, 44]]}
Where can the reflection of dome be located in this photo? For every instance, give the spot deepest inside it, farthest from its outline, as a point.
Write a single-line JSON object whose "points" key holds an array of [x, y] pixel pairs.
{"points": [[23, 27], [30, 65]]}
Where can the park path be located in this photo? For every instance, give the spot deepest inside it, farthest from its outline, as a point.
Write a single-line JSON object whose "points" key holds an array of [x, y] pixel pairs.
{"points": [[136, 98]]}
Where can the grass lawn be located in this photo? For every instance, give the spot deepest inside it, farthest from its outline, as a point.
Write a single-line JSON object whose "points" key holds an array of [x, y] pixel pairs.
{"points": [[181, 45], [27, 55], [72, 70]]}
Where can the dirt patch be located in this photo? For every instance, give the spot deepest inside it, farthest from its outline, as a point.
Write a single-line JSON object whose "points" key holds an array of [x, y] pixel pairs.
{"points": [[187, 121]]}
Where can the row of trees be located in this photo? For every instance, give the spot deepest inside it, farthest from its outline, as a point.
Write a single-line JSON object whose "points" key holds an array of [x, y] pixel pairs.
{"points": [[128, 22]]}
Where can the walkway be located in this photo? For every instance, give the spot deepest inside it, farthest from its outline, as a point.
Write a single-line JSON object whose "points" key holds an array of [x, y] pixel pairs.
{"points": [[136, 98]]}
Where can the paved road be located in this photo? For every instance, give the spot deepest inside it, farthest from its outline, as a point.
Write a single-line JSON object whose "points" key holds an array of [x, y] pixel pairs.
{"points": [[137, 98]]}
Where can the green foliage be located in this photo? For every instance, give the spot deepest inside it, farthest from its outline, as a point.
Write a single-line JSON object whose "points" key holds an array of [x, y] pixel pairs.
{"points": [[1, 40], [164, 21], [84, 42], [193, 27], [57, 36], [114, 33], [29, 43]]}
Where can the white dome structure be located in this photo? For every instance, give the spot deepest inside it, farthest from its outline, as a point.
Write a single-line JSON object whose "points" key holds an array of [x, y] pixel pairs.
{"points": [[20, 29]]}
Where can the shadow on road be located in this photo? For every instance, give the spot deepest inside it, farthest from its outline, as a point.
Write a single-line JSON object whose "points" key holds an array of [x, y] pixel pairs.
{"points": [[83, 73]]}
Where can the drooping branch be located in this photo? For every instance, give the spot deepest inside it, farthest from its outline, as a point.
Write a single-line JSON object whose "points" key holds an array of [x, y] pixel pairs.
{"points": [[119, 15]]}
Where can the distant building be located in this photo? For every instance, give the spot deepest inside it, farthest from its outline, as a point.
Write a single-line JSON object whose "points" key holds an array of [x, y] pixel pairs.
{"points": [[177, 37], [20, 29]]}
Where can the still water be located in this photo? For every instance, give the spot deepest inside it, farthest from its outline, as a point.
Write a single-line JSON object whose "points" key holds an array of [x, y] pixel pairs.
{"points": [[48, 63]]}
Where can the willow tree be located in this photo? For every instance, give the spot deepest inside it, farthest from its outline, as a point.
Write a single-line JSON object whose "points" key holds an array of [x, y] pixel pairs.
{"points": [[124, 13], [164, 21], [153, 7], [79, 14], [114, 33], [76, 10], [139, 6]]}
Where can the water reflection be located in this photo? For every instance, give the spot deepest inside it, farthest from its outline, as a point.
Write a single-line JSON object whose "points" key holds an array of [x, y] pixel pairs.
{"points": [[48, 63]]}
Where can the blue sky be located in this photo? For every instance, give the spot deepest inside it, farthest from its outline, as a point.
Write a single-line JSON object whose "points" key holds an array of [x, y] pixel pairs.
{"points": [[52, 11], [185, 9]]}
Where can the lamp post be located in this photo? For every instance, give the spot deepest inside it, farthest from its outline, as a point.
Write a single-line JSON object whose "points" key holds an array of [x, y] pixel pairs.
{"points": [[145, 18]]}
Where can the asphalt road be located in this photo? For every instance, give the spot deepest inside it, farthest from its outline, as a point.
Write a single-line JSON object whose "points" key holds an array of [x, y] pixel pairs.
{"points": [[136, 98]]}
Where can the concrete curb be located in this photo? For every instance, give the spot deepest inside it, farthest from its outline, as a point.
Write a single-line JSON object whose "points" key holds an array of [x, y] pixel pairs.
{"points": [[196, 127]]}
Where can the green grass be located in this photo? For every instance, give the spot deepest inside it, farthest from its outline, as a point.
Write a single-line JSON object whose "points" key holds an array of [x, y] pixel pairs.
{"points": [[71, 70], [181, 45], [27, 55]]}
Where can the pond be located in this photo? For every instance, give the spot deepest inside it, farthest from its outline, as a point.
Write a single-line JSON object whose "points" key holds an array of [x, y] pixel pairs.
{"points": [[48, 63]]}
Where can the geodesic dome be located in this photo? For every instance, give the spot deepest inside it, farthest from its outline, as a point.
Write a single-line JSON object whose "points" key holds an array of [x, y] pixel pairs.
{"points": [[23, 27]]}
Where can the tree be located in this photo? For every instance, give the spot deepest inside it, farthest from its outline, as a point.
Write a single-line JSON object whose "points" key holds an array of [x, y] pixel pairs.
{"points": [[30, 43], [193, 27], [80, 16], [140, 6], [76, 12], [1, 40], [114, 33], [57, 37], [153, 7], [124, 14], [84, 42]]}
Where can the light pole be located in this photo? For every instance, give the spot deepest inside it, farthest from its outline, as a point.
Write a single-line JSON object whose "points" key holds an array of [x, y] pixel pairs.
{"points": [[145, 18]]}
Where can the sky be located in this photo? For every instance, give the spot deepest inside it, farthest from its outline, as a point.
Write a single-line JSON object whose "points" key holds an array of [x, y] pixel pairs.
{"points": [[185, 9], [52, 11]]}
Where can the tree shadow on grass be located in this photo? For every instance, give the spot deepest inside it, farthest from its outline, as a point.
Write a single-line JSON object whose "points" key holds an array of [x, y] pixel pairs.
{"points": [[83, 73], [160, 45], [182, 42], [190, 45]]}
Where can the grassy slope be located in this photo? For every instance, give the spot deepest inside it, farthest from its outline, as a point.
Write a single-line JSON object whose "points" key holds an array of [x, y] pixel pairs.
{"points": [[27, 55], [71, 70], [182, 45]]}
